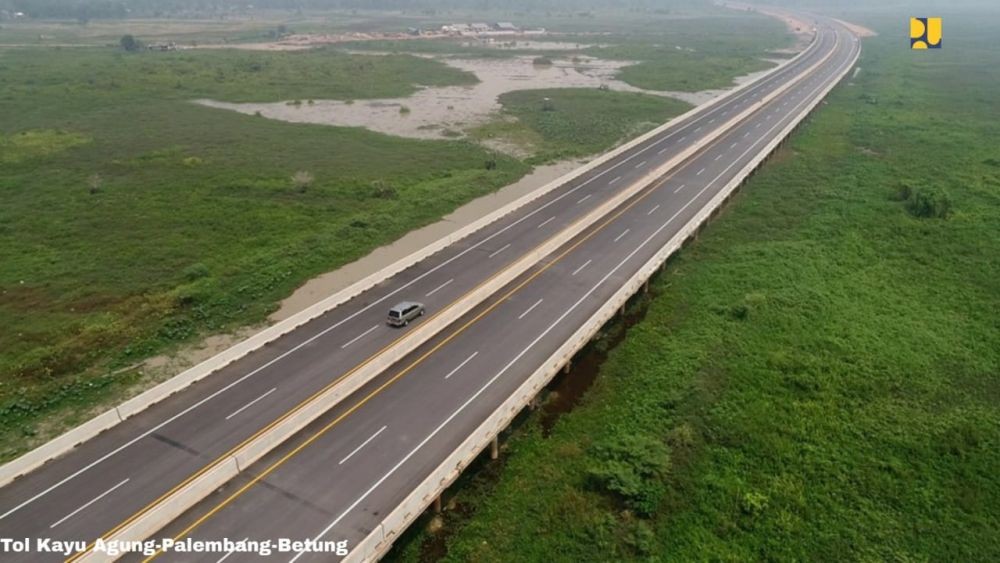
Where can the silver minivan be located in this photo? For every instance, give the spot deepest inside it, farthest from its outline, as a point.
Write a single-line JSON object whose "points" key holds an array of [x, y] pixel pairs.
{"points": [[403, 313]]}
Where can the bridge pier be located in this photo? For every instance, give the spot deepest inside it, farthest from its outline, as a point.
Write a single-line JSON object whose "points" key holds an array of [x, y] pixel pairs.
{"points": [[494, 448], [437, 505]]}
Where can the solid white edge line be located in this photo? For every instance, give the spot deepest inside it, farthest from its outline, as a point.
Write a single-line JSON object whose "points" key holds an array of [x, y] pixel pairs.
{"points": [[749, 93], [250, 404], [505, 368], [363, 444], [92, 501]]}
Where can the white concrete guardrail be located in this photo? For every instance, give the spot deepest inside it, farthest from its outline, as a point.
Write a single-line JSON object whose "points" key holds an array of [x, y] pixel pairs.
{"points": [[171, 505], [150, 519], [72, 438], [378, 542]]}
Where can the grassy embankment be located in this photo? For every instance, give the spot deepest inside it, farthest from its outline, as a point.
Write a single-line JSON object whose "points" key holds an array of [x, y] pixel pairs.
{"points": [[578, 122], [818, 377], [571, 122], [134, 220], [705, 49]]}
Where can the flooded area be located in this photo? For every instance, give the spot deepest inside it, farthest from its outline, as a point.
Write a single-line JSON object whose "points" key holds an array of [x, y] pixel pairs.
{"points": [[447, 112], [436, 113]]}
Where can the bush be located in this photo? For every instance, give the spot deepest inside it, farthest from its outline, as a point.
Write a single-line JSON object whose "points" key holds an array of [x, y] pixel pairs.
{"points": [[631, 467], [130, 43], [928, 203], [196, 271], [382, 190]]}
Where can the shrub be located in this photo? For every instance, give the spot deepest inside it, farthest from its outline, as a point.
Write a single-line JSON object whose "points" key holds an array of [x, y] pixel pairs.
{"points": [[542, 61], [903, 192], [382, 190], [631, 467], [929, 203], [195, 271]]}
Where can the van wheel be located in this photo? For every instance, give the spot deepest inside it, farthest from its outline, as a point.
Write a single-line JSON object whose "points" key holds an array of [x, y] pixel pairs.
{"points": [[422, 313], [406, 323]]}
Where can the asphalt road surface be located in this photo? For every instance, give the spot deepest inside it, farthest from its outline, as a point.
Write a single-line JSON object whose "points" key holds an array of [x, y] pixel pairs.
{"points": [[340, 476]]}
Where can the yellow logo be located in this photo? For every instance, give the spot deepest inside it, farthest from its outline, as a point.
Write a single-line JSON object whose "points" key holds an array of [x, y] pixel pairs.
{"points": [[925, 33]]}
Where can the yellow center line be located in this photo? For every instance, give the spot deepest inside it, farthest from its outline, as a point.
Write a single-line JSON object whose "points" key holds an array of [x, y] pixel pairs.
{"points": [[291, 412], [411, 366], [302, 404]]}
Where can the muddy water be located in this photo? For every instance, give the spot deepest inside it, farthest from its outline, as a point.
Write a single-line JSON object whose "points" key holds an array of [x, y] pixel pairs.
{"points": [[436, 113]]}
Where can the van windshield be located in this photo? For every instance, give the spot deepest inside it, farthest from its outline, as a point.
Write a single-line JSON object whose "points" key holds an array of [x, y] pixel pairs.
{"points": [[394, 314]]}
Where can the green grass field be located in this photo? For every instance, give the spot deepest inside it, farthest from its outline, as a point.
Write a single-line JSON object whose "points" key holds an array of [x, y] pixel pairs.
{"points": [[564, 123], [704, 50], [689, 56], [134, 220], [818, 377]]}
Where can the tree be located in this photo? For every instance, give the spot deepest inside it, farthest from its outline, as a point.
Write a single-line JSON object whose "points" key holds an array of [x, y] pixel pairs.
{"points": [[130, 43]]}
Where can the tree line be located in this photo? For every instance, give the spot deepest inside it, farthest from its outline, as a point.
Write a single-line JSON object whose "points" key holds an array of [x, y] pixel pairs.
{"points": [[117, 9]]}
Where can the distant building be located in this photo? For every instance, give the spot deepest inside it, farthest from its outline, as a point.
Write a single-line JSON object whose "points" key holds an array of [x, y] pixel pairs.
{"points": [[480, 27], [457, 29], [506, 26], [162, 46]]}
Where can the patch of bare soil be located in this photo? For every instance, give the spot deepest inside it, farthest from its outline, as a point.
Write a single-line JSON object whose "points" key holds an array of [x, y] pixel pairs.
{"points": [[329, 283], [859, 30]]}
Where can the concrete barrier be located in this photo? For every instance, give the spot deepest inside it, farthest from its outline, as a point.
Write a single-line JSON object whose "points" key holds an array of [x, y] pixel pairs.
{"points": [[62, 444], [449, 470], [166, 511], [170, 506], [153, 517]]}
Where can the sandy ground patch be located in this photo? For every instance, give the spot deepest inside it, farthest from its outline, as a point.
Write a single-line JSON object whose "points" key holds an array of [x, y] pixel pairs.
{"points": [[859, 30], [329, 283], [432, 112], [437, 113]]}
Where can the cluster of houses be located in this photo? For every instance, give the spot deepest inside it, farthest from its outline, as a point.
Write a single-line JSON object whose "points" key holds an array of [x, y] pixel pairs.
{"points": [[483, 30], [8, 15]]}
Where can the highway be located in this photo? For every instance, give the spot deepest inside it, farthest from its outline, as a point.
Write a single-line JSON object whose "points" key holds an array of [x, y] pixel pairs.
{"points": [[336, 478]]}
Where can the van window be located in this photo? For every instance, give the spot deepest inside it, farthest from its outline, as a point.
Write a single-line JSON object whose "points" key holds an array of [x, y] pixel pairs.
{"points": [[409, 309]]}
